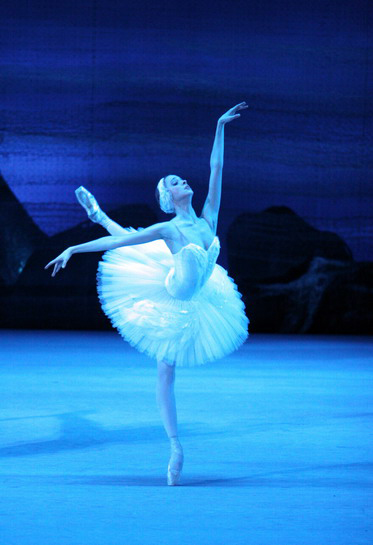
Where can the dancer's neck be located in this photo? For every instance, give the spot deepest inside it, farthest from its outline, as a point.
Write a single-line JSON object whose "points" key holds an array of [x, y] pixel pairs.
{"points": [[185, 212]]}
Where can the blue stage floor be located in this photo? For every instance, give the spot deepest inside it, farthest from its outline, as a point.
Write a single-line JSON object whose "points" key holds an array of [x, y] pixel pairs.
{"points": [[277, 441]]}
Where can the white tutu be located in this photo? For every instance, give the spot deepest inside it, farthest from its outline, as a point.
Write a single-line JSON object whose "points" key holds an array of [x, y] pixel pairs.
{"points": [[182, 308]]}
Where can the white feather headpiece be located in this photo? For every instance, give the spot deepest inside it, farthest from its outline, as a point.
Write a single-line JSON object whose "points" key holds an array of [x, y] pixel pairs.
{"points": [[165, 198]]}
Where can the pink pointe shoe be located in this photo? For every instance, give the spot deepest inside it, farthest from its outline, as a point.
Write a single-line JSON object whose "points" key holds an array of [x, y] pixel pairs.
{"points": [[176, 462], [89, 203]]}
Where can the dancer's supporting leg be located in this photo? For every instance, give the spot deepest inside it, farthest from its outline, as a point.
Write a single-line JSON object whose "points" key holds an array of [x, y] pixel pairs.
{"points": [[166, 397], [167, 406]]}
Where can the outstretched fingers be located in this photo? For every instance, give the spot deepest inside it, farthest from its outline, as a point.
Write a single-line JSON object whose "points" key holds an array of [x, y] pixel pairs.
{"points": [[239, 106], [49, 264], [57, 265]]}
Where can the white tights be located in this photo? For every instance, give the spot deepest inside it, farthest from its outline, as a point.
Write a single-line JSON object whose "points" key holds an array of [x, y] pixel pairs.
{"points": [[166, 397], [113, 227], [166, 373]]}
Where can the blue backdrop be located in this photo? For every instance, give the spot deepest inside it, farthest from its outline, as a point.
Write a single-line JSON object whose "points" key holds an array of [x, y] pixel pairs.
{"points": [[114, 95]]}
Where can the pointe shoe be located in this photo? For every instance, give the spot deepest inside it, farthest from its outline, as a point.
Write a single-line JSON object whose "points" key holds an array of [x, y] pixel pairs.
{"points": [[175, 464], [89, 203]]}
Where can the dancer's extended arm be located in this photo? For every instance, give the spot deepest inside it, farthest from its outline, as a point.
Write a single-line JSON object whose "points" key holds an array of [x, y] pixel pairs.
{"points": [[212, 204], [154, 232]]}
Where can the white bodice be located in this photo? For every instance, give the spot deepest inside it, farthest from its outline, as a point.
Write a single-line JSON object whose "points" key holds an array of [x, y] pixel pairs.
{"points": [[193, 266]]}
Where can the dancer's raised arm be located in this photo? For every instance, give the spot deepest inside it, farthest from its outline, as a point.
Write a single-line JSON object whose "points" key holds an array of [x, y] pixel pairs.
{"points": [[211, 207], [154, 232]]}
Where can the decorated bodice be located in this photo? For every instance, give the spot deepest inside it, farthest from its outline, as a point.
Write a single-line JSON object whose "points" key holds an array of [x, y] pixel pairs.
{"points": [[193, 266]]}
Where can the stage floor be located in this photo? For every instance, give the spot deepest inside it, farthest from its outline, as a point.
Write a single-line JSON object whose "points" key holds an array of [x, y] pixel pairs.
{"points": [[277, 441]]}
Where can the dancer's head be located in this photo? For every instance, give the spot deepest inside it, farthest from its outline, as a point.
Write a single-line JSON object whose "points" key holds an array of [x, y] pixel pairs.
{"points": [[170, 190]]}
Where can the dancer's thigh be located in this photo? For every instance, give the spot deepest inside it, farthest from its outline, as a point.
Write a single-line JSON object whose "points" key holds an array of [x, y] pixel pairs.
{"points": [[165, 367]]}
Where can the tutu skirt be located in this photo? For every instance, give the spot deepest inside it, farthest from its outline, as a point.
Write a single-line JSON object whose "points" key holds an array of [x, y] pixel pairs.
{"points": [[132, 293]]}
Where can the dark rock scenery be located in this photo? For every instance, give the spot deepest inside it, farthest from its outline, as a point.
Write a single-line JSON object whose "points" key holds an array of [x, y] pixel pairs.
{"points": [[297, 279], [293, 277], [31, 298], [19, 236]]}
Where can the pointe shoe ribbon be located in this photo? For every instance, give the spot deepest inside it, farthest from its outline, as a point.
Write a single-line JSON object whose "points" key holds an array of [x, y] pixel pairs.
{"points": [[89, 203]]}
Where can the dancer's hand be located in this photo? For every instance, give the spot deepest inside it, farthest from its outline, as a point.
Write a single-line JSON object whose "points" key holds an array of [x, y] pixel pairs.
{"points": [[232, 113], [60, 261]]}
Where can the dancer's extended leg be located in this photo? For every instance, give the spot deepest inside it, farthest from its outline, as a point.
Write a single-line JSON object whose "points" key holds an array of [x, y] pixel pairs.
{"points": [[111, 226], [95, 214], [167, 406]]}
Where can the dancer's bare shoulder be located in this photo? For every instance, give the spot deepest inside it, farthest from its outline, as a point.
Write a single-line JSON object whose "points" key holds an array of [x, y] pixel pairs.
{"points": [[161, 230], [166, 230]]}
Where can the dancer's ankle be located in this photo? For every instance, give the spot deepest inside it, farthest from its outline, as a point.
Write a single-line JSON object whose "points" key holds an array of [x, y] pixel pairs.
{"points": [[104, 220], [101, 218], [175, 442]]}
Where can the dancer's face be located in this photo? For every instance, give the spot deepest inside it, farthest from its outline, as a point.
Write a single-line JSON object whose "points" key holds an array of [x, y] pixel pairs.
{"points": [[180, 190]]}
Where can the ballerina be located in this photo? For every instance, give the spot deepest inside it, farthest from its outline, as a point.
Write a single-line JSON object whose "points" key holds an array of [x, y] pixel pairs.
{"points": [[162, 289]]}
